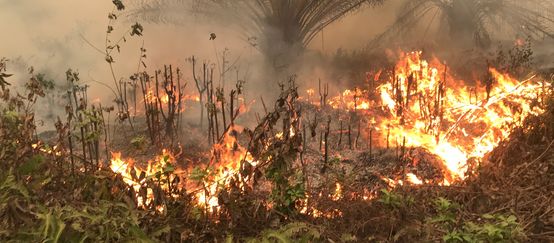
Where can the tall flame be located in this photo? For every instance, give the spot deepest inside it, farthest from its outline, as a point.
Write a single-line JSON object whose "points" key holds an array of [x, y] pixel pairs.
{"points": [[429, 108], [137, 178], [228, 158]]}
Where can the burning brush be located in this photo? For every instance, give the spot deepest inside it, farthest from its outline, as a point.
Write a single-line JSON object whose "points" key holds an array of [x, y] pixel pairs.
{"points": [[423, 106]]}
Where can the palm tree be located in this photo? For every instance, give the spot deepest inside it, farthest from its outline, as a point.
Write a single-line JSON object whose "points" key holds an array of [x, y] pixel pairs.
{"points": [[281, 27], [471, 21]]}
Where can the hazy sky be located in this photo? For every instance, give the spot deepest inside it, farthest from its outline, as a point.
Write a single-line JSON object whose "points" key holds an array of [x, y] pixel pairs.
{"points": [[46, 30]]}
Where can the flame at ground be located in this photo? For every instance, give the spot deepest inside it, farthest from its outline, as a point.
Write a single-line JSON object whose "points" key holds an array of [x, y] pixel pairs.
{"points": [[426, 107], [137, 178], [429, 108], [228, 157], [423, 106]]}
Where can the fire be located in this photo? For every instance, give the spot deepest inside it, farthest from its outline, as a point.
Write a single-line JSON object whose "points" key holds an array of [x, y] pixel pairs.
{"points": [[428, 108], [228, 158], [46, 149], [413, 179], [137, 178], [421, 106], [350, 100], [337, 195]]}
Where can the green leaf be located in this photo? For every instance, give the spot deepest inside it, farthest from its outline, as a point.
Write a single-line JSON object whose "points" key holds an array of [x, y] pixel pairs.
{"points": [[163, 230], [347, 237], [31, 165], [11, 184], [169, 168], [138, 234], [198, 174], [229, 239]]}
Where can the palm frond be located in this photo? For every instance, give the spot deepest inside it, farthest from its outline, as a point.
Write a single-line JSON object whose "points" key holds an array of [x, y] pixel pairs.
{"points": [[297, 21], [480, 19]]}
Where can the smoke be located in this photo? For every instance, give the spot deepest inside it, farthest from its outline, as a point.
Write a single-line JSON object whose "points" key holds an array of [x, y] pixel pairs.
{"points": [[53, 36]]}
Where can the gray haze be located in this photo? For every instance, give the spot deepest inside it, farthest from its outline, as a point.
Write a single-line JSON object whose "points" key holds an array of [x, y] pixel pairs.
{"points": [[50, 35]]}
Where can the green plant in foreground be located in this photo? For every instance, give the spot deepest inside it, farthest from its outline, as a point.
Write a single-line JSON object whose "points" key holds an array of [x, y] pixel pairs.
{"points": [[446, 211], [495, 228], [292, 232], [394, 200], [139, 142], [490, 228]]}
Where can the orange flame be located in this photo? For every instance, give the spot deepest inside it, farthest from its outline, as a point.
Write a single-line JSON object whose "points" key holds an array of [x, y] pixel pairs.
{"points": [[136, 177], [228, 157], [431, 109]]}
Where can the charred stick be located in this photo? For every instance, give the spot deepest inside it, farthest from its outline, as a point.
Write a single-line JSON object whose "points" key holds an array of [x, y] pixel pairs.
{"points": [[232, 106], [215, 113], [143, 86], [82, 129], [201, 87], [326, 140], [326, 155], [397, 152], [305, 142], [302, 162], [96, 138], [220, 93], [125, 104], [358, 136], [321, 141], [402, 156], [370, 144], [135, 95], [180, 102], [105, 133], [320, 94], [349, 135], [388, 136], [159, 103], [340, 135], [313, 127], [263, 104], [408, 89], [323, 94], [70, 140], [355, 100]]}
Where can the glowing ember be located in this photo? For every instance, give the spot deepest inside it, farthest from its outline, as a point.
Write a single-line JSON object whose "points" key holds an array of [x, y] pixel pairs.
{"points": [[350, 100], [337, 195], [413, 179]]}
